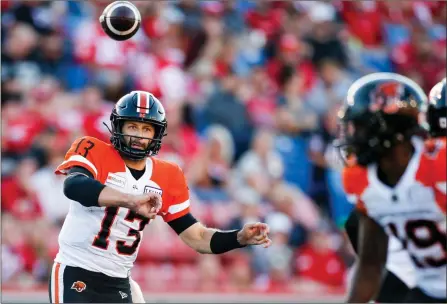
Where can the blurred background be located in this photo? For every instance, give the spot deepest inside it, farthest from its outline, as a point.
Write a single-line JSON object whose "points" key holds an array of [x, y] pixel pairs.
{"points": [[251, 89]]}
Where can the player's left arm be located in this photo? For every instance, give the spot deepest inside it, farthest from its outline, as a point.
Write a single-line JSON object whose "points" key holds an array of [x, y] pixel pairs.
{"points": [[198, 236], [209, 240]]}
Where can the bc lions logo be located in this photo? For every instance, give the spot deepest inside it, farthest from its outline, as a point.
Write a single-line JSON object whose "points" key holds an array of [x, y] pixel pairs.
{"points": [[79, 286], [387, 97]]}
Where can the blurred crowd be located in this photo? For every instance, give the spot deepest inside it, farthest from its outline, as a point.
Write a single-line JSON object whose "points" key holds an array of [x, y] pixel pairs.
{"points": [[251, 90]]}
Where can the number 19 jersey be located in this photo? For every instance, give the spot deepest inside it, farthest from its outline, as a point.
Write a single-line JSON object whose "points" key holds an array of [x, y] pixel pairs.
{"points": [[107, 240], [414, 211]]}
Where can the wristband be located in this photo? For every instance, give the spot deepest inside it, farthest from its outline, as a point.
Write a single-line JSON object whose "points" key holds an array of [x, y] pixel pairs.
{"points": [[223, 241]]}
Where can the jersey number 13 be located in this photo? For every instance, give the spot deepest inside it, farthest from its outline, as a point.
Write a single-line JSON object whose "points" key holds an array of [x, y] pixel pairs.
{"points": [[102, 238]]}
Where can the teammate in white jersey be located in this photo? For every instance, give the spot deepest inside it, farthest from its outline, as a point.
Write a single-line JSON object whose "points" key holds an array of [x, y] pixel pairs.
{"points": [[398, 185], [118, 188]]}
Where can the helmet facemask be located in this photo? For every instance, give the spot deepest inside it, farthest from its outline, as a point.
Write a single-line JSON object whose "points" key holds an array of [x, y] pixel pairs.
{"points": [[119, 141], [366, 140]]}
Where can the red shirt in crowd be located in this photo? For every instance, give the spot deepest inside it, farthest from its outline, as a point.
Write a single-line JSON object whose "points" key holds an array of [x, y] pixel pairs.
{"points": [[17, 201], [325, 267]]}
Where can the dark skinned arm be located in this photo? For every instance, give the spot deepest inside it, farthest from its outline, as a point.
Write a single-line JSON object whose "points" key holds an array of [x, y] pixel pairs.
{"points": [[372, 254]]}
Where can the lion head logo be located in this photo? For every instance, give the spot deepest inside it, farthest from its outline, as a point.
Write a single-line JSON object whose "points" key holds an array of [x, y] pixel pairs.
{"points": [[79, 286], [387, 97]]}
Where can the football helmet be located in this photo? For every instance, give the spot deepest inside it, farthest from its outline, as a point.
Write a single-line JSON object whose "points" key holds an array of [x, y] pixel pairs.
{"points": [[143, 107], [434, 112], [381, 109]]}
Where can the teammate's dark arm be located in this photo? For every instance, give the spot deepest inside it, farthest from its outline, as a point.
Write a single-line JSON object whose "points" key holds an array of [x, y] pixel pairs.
{"points": [[372, 254], [203, 239], [352, 228], [80, 186]]}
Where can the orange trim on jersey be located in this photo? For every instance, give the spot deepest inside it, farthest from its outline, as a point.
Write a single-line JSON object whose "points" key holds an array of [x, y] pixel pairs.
{"points": [[355, 181], [63, 168], [432, 170], [170, 217], [56, 283], [171, 179], [360, 206]]}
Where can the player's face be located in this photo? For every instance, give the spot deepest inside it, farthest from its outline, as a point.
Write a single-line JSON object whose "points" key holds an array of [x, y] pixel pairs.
{"points": [[139, 134]]}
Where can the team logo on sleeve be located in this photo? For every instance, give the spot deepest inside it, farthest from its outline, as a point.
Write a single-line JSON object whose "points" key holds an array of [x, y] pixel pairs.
{"points": [[79, 286]]}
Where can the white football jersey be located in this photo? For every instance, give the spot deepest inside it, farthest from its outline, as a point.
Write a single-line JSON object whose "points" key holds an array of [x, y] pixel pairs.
{"points": [[104, 239], [414, 211], [400, 263]]}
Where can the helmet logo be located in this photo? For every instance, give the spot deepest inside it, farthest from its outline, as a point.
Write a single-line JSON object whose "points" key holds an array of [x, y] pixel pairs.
{"points": [[387, 97], [143, 103]]}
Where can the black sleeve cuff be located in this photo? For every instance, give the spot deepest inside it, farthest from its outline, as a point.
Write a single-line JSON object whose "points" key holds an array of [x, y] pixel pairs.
{"points": [[223, 241], [182, 223]]}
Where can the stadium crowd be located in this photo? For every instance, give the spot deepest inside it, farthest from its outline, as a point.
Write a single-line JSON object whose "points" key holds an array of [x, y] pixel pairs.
{"points": [[251, 90]]}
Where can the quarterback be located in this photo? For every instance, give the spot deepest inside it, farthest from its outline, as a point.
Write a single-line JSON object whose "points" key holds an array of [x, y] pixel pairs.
{"points": [[117, 189], [397, 184]]}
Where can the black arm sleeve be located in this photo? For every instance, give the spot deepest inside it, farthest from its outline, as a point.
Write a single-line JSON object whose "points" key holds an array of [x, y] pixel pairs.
{"points": [[80, 186], [182, 223]]}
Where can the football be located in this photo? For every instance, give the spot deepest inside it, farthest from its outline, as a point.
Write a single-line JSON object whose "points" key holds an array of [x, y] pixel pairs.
{"points": [[120, 20]]}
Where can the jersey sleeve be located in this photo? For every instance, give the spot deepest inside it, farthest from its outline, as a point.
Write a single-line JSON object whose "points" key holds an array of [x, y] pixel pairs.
{"points": [[179, 204], [84, 152], [355, 181]]}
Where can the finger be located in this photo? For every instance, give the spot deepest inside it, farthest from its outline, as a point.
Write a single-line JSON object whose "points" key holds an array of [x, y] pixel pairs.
{"points": [[262, 241], [267, 243], [259, 239], [267, 229]]}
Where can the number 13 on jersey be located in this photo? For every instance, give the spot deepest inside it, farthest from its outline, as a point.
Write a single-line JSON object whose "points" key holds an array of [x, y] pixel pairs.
{"points": [[102, 238]]}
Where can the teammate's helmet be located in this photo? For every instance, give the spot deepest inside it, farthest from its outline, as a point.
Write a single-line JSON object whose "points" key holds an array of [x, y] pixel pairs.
{"points": [[381, 110], [434, 111], [138, 106]]}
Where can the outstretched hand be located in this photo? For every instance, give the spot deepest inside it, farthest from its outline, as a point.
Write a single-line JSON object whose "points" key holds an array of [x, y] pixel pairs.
{"points": [[254, 234]]}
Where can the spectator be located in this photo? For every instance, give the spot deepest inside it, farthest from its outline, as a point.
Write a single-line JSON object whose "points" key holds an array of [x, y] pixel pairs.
{"points": [[225, 107], [294, 115], [210, 170], [324, 40], [249, 208], [260, 168], [331, 88], [18, 197], [19, 59], [420, 60]]}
